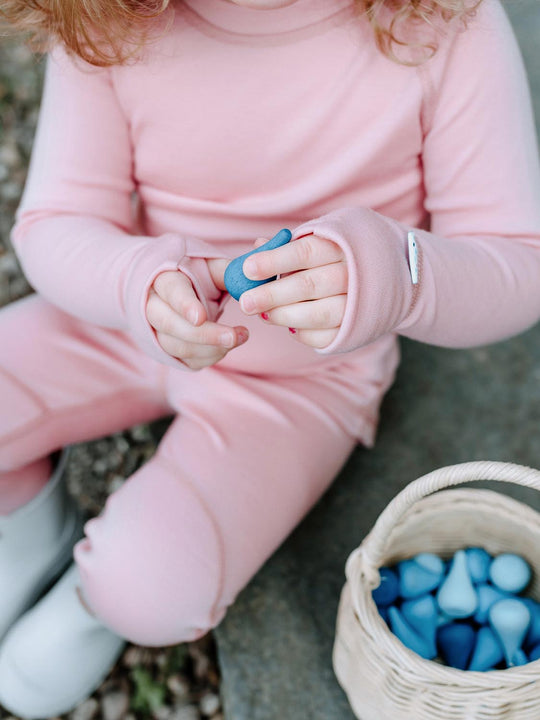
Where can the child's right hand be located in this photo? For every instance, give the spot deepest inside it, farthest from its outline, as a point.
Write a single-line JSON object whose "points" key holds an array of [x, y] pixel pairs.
{"points": [[180, 321]]}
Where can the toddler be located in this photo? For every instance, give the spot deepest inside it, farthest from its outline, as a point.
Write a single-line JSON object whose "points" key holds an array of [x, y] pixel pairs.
{"points": [[395, 140]]}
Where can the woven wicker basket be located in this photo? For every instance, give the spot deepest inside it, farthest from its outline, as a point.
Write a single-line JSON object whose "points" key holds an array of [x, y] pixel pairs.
{"points": [[382, 678]]}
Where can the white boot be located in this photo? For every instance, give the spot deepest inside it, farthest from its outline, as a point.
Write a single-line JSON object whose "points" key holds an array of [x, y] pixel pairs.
{"points": [[36, 543], [56, 655]]}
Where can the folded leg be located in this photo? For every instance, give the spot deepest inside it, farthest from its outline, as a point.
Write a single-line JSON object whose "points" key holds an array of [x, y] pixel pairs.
{"points": [[243, 462]]}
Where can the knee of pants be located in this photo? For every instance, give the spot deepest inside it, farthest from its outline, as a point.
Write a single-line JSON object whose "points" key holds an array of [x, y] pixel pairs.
{"points": [[151, 565]]}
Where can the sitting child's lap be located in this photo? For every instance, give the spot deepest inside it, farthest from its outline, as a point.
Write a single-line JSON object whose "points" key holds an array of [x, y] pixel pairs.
{"points": [[245, 459]]}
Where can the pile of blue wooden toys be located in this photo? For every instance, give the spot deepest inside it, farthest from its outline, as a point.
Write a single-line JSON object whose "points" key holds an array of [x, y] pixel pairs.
{"points": [[465, 611]]}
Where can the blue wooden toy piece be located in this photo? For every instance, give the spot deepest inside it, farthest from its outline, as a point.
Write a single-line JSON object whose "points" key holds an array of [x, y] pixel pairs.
{"points": [[431, 562], [456, 642], [388, 590], [488, 651], [235, 280], [487, 596], [533, 633], [443, 619], [420, 575], [519, 658], [510, 572], [534, 654], [510, 620], [457, 596], [478, 564], [409, 637], [421, 614]]}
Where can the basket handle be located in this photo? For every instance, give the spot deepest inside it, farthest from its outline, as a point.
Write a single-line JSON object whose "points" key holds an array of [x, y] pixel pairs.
{"points": [[370, 554]]}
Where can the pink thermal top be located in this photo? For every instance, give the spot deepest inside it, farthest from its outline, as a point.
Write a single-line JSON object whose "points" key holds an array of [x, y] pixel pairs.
{"points": [[238, 122]]}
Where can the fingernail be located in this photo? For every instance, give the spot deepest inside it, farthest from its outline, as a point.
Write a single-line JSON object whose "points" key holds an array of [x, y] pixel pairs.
{"points": [[227, 339], [265, 316], [242, 337], [292, 331], [248, 305], [249, 267], [193, 316]]}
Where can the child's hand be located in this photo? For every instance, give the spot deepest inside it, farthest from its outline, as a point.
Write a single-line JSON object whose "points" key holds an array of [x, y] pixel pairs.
{"points": [[311, 300], [180, 321]]}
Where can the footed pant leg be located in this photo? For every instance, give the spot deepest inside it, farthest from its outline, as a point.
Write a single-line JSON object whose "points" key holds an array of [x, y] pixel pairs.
{"points": [[64, 381], [243, 462]]}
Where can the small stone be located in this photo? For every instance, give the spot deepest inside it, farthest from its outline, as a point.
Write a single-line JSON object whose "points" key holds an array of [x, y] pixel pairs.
{"points": [[185, 712], [11, 191], [100, 466], [9, 264], [161, 659], [135, 655], [121, 444], [115, 483], [141, 433], [162, 713], [9, 155], [178, 685], [114, 705], [201, 661], [209, 704], [86, 710]]}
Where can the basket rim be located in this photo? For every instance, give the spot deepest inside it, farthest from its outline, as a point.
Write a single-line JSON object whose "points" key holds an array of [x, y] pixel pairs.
{"points": [[438, 480]]}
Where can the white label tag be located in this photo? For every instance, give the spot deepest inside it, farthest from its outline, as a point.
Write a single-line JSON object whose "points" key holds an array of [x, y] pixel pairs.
{"points": [[413, 256]]}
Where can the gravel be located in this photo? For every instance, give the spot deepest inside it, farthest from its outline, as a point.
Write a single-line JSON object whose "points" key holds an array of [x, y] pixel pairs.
{"points": [[172, 683]]}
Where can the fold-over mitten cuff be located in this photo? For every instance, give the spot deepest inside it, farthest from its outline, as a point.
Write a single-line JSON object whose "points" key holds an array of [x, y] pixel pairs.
{"points": [[194, 265], [380, 291], [168, 252]]}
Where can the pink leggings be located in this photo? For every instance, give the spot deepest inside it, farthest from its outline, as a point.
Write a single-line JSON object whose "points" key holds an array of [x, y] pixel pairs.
{"points": [[244, 460]]}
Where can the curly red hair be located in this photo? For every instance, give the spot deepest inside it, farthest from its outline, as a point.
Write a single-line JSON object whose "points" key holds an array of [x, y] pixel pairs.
{"points": [[110, 32]]}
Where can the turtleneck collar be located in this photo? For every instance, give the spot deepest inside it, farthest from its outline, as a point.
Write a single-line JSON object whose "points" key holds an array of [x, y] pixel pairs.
{"points": [[241, 20]]}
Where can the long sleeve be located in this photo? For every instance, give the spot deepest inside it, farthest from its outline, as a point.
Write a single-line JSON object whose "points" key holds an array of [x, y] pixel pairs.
{"points": [[73, 229], [479, 262]]}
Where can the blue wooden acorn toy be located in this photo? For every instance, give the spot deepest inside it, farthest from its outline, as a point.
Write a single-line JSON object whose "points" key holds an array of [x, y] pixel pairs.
{"points": [[478, 564], [422, 614], [456, 642], [510, 620], [235, 280], [488, 651], [420, 575], [487, 596], [457, 596], [388, 590], [510, 573], [408, 636]]}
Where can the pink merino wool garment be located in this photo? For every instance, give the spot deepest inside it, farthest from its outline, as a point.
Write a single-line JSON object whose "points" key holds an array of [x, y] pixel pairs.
{"points": [[236, 123], [241, 121]]}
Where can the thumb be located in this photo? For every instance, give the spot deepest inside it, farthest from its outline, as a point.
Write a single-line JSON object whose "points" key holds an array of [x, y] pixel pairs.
{"points": [[216, 268]]}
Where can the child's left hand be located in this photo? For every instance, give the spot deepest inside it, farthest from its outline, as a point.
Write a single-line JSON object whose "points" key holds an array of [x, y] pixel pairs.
{"points": [[311, 295]]}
